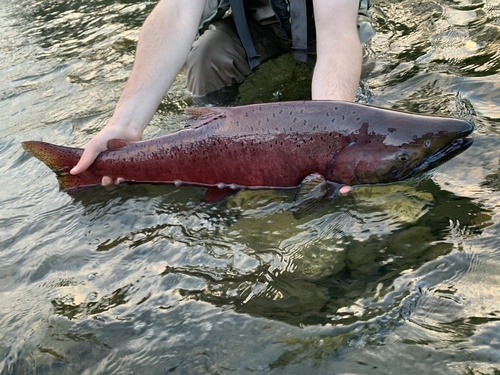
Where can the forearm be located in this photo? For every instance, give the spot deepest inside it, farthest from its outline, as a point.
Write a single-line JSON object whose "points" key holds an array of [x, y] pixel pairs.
{"points": [[164, 43], [339, 52]]}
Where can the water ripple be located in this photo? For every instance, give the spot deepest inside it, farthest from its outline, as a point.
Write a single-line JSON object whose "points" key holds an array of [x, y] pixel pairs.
{"points": [[398, 278]]}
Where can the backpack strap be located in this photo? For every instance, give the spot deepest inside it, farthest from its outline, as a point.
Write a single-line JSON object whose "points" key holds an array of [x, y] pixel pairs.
{"points": [[298, 15], [240, 20]]}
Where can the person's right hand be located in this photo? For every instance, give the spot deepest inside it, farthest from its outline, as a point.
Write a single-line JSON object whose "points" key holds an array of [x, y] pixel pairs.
{"points": [[99, 143]]}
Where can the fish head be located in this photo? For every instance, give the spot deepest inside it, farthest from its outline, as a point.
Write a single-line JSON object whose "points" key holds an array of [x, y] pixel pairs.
{"points": [[379, 154]]}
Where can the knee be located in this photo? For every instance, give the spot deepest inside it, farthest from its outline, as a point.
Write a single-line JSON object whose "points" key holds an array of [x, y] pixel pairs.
{"points": [[217, 59]]}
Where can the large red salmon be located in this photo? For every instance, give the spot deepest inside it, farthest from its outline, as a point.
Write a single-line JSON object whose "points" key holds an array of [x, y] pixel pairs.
{"points": [[273, 146]]}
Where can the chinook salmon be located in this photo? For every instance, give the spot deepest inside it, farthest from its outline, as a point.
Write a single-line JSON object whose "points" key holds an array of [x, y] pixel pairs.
{"points": [[273, 146]]}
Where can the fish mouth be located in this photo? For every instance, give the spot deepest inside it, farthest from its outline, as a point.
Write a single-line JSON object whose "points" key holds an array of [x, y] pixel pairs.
{"points": [[440, 156]]}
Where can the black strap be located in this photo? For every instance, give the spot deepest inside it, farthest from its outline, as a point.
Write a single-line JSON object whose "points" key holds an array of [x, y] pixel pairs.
{"points": [[298, 15], [240, 20]]}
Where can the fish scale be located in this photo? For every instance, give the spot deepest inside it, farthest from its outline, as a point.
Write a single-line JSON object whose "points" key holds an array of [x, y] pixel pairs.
{"points": [[273, 146]]}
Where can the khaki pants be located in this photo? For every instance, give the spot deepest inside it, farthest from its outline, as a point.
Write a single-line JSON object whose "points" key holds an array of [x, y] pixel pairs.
{"points": [[217, 61]]}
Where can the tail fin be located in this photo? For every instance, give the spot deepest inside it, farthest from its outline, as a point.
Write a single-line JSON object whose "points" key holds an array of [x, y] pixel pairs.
{"points": [[61, 159]]}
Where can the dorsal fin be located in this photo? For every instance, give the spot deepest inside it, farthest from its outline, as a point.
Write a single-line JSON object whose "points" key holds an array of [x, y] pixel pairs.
{"points": [[197, 112], [116, 144], [204, 115]]}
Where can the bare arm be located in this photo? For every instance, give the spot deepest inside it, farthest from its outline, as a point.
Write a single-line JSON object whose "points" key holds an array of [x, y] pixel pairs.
{"points": [[339, 54], [164, 43], [338, 67]]}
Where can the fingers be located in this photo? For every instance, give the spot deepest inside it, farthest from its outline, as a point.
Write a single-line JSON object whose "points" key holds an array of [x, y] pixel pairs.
{"points": [[99, 144], [88, 157], [108, 181], [345, 189], [91, 152]]}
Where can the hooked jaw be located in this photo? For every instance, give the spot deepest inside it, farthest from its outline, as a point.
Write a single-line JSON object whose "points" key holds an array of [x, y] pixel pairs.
{"points": [[459, 143], [439, 157], [378, 162]]}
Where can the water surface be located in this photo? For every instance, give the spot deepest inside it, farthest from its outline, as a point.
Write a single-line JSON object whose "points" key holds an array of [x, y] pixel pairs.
{"points": [[146, 279]]}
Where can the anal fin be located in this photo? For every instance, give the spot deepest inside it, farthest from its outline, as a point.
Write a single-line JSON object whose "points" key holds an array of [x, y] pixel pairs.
{"points": [[215, 194]]}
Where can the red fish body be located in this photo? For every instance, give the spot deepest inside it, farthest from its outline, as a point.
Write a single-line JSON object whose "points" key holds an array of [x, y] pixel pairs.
{"points": [[273, 146]]}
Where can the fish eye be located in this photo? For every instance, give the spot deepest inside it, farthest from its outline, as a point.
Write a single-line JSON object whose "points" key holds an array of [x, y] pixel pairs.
{"points": [[427, 143], [403, 157]]}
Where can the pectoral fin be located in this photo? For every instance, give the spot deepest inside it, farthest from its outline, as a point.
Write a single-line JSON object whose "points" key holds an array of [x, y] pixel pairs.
{"points": [[313, 192]]}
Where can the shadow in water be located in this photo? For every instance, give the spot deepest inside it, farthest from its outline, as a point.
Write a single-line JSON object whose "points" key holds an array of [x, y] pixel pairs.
{"points": [[317, 282], [365, 269]]}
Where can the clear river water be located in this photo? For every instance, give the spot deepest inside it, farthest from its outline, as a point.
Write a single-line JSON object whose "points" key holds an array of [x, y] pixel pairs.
{"points": [[392, 279]]}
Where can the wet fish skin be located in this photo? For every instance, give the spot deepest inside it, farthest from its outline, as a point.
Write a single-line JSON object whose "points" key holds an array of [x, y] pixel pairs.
{"points": [[273, 146]]}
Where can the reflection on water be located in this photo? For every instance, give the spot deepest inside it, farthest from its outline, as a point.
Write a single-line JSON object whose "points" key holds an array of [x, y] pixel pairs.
{"points": [[147, 279]]}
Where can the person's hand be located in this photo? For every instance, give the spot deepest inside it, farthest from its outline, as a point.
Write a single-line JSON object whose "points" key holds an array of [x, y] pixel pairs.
{"points": [[99, 144]]}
